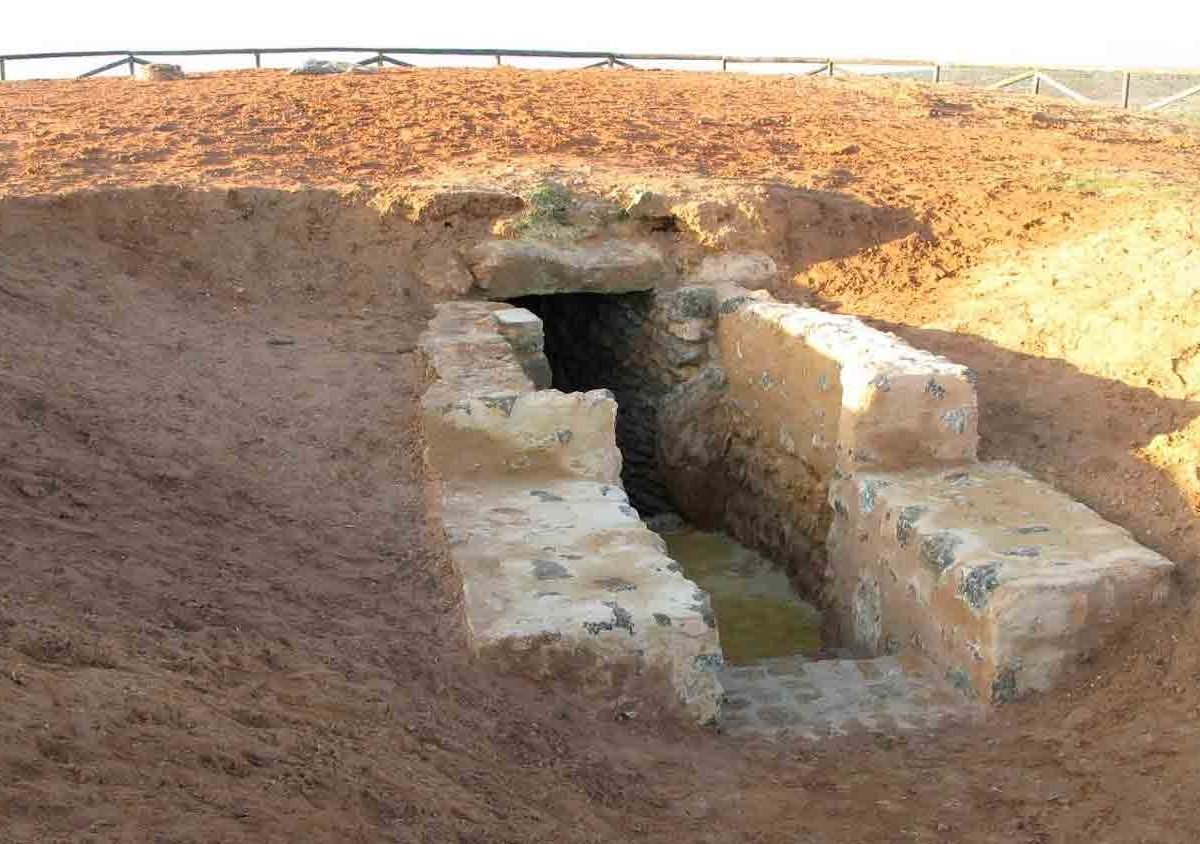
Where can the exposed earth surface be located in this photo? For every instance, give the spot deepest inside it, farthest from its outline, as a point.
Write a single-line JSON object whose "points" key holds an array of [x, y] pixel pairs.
{"points": [[222, 617]]}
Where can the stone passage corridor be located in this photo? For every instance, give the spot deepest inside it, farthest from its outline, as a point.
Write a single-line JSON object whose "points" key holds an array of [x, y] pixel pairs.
{"points": [[557, 423]]}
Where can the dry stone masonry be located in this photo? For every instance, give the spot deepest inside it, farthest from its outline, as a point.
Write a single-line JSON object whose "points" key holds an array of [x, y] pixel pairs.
{"points": [[838, 450], [999, 578], [559, 574], [798, 397], [640, 346]]}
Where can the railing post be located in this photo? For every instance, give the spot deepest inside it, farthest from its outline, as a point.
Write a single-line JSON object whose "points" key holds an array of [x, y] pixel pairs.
{"points": [[1125, 89], [829, 69], [724, 64], [131, 65], [258, 59], [498, 62], [2, 75], [937, 74], [1036, 85]]}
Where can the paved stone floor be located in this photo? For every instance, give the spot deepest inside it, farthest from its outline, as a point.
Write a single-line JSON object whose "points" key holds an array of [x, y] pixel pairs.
{"points": [[795, 697]]}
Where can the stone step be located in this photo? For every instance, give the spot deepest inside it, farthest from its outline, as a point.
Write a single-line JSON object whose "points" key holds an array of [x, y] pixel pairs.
{"points": [[1000, 580], [795, 697]]}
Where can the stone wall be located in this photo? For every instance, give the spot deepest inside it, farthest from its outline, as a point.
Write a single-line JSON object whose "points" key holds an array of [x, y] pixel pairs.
{"points": [[560, 578], [833, 448], [794, 398], [638, 345], [999, 579]]}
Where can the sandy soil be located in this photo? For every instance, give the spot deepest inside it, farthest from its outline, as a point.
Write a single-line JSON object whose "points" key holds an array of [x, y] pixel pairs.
{"points": [[221, 618]]}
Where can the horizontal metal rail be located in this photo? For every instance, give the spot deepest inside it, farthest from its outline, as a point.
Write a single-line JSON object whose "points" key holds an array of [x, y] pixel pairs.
{"points": [[595, 55], [823, 64]]}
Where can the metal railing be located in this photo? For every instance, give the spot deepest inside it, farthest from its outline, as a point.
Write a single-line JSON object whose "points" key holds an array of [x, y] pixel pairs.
{"points": [[1036, 76]]}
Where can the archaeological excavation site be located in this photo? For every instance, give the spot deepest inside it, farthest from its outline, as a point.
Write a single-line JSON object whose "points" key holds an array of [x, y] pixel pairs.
{"points": [[595, 456], [604, 439]]}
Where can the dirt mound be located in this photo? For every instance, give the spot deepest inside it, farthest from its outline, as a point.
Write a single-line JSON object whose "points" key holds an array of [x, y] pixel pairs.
{"points": [[220, 615]]}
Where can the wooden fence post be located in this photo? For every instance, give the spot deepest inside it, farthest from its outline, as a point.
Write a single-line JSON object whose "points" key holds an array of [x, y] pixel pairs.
{"points": [[1125, 89], [1036, 85]]}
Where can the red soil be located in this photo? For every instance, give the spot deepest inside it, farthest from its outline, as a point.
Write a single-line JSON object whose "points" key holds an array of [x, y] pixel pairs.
{"points": [[220, 615]]}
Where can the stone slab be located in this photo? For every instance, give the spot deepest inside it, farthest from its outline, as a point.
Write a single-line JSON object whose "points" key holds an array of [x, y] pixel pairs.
{"points": [[795, 697], [505, 269], [844, 393], [997, 578]]}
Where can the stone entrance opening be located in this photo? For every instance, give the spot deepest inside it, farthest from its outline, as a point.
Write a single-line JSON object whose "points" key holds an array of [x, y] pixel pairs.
{"points": [[623, 343]]}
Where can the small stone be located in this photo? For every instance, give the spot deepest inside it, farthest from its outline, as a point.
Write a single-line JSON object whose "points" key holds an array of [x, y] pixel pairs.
{"points": [[938, 551], [156, 72], [978, 584], [838, 148], [323, 67], [550, 570]]}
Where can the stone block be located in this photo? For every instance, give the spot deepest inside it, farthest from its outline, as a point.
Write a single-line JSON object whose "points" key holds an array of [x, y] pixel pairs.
{"points": [[158, 72], [533, 435], [523, 331], [560, 576], [565, 577], [846, 394], [999, 579], [504, 269]]}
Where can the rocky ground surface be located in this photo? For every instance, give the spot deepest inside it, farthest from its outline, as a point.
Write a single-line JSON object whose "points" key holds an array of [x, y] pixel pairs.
{"points": [[220, 617]]}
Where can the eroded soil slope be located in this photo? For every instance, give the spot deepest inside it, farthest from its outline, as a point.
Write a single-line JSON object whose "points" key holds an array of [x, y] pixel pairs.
{"points": [[221, 618]]}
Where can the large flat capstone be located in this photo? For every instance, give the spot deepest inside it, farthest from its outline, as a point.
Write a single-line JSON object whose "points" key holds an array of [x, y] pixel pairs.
{"points": [[505, 269], [998, 578]]}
